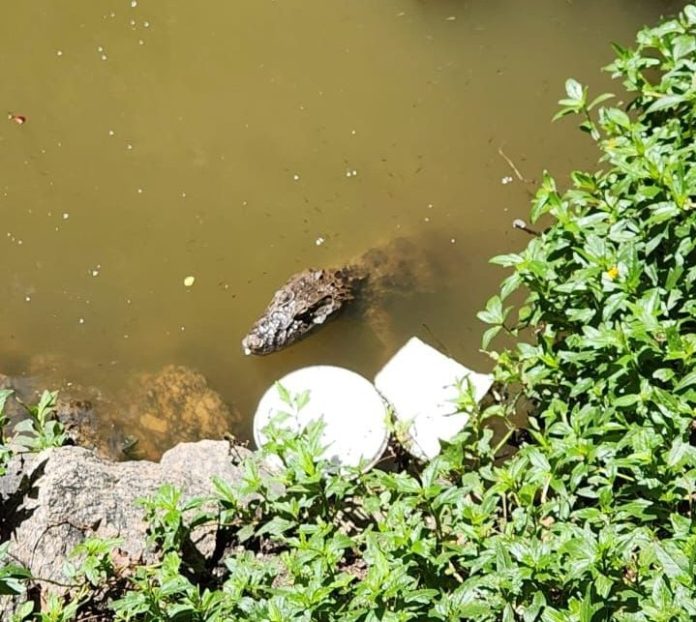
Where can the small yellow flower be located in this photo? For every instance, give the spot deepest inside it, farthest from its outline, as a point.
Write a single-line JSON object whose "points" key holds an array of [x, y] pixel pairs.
{"points": [[612, 273]]}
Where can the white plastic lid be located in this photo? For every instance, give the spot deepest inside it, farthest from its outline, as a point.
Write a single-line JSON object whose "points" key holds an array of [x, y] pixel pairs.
{"points": [[353, 412]]}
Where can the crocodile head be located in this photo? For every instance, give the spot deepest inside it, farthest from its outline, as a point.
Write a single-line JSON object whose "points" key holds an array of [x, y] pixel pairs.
{"points": [[306, 301]]}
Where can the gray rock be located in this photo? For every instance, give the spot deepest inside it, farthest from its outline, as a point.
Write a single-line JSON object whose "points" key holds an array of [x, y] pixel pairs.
{"points": [[69, 493]]}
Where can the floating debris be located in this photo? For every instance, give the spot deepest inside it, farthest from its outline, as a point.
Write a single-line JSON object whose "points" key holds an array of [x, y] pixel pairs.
{"points": [[319, 241], [520, 224], [189, 281], [19, 119], [506, 180]]}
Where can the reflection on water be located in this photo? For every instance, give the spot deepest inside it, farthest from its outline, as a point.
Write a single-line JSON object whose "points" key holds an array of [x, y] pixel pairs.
{"points": [[241, 142]]}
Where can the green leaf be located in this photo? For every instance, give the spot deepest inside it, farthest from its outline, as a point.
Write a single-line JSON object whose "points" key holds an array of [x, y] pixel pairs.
{"points": [[686, 381], [690, 13], [302, 400], [665, 102], [627, 400], [494, 313], [283, 394], [680, 454], [574, 90], [488, 336], [674, 563], [600, 99], [619, 117], [511, 259], [4, 394]]}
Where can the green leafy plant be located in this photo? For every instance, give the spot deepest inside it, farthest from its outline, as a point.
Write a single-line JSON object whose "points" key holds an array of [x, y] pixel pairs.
{"points": [[41, 430], [168, 529], [96, 563], [57, 610], [13, 577]]}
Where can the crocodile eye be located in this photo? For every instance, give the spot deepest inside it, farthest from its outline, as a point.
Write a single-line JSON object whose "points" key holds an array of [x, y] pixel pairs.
{"points": [[285, 296]]}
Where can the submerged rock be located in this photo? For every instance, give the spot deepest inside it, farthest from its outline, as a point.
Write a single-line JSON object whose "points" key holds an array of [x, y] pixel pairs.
{"points": [[176, 404], [155, 412]]}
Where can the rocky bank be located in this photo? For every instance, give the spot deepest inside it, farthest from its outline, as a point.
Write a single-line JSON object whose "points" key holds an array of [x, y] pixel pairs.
{"points": [[52, 501]]}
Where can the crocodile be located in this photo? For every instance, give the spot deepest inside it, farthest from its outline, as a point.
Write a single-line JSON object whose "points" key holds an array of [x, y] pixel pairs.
{"points": [[311, 297], [305, 301]]}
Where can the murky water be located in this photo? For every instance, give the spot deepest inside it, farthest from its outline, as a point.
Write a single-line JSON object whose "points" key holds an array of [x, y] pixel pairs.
{"points": [[238, 142]]}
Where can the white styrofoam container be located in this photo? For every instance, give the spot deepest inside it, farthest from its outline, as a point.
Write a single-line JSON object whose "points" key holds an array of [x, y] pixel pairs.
{"points": [[421, 385]]}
